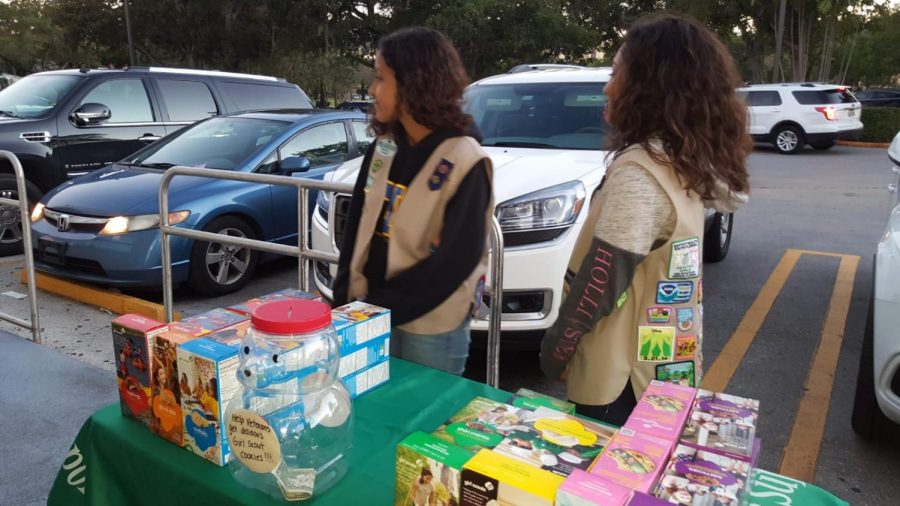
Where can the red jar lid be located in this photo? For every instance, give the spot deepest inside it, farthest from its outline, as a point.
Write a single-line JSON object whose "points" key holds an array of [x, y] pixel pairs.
{"points": [[291, 317]]}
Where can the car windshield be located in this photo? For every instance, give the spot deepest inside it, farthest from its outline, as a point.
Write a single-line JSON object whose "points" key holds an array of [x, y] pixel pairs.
{"points": [[543, 116], [35, 96], [217, 143], [825, 97]]}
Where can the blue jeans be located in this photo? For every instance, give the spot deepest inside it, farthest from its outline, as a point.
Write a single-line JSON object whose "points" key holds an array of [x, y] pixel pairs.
{"points": [[447, 352]]}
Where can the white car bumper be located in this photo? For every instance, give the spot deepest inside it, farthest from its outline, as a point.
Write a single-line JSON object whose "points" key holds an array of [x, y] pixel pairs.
{"points": [[886, 339]]}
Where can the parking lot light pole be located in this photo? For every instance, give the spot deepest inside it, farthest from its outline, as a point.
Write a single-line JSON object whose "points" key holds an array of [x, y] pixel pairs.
{"points": [[128, 32]]}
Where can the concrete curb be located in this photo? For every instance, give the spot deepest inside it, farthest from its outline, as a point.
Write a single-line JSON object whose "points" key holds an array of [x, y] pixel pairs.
{"points": [[856, 144]]}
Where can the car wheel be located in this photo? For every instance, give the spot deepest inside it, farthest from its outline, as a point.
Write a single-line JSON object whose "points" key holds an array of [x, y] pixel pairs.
{"points": [[788, 140], [867, 420], [218, 269], [10, 217], [718, 237], [822, 146]]}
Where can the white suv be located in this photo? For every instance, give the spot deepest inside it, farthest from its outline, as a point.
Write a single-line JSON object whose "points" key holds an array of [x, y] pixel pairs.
{"points": [[543, 130], [790, 116]]}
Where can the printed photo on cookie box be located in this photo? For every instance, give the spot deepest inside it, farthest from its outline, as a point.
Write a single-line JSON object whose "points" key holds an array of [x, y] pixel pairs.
{"points": [[633, 460], [134, 337], [428, 471], [662, 411], [165, 389], [482, 423], [700, 476], [723, 422], [556, 442]]}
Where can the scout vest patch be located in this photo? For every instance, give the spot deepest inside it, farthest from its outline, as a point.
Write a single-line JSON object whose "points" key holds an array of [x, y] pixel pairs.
{"points": [[441, 173]]}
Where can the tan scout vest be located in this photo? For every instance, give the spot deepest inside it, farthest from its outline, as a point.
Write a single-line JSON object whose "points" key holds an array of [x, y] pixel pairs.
{"points": [[416, 224], [663, 303]]}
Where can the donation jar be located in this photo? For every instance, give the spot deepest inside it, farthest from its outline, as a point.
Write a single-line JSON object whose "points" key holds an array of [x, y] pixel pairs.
{"points": [[290, 426]]}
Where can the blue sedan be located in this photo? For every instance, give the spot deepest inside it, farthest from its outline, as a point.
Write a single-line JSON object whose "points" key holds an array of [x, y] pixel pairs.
{"points": [[103, 227]]}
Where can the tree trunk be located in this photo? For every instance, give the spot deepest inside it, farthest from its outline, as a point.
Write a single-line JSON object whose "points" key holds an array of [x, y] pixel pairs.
{"points": [[779, 39]]}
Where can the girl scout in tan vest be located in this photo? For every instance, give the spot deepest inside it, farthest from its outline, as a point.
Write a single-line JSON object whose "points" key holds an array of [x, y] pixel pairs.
{"points": [[634, 289], [415, 239]]}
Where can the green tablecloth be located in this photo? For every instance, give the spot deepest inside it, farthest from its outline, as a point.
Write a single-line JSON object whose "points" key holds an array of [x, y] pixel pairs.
{"points": [[116, 461]]}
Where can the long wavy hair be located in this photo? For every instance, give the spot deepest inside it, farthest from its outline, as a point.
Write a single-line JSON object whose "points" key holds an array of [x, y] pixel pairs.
{"points": [[675, 82], [430, 77]]}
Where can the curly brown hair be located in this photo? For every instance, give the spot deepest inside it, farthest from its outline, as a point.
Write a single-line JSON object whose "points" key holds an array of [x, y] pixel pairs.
{"points": [[430, 77], [675, 81]]}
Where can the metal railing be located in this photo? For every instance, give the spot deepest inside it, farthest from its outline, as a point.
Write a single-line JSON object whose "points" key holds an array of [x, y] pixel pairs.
{"points": [[34, 325], [304, 253]]}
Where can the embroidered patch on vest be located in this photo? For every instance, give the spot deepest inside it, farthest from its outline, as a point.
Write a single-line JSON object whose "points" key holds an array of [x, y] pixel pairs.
{"points": [[659, 315], [656, 344], [685, 318], [677, 292], [386, 147], [680, 373], [700, 292], [377, 165], [622, 300], [441, 172], [684, 262], [393, 196], [685, 347]]}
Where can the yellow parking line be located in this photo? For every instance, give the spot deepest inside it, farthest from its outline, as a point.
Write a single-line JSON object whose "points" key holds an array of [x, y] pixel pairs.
{"points": [[115, 302], [802, 450], [719, 374]]}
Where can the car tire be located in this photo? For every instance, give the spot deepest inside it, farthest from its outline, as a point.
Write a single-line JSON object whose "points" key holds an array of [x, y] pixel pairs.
{"points": [[10, 217], [788, 139], [867, 419], [822, 146], [717, 239], [218, 269]]}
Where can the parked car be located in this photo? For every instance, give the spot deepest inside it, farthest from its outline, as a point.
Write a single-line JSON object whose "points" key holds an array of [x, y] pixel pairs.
{"points": [[65, 123], [355, 105], [103, 227], [543, 130], [879, 98], [876, 408], [790, 116]]}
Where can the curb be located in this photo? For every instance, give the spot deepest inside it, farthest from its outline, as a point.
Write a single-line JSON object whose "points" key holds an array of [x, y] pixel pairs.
{"points": [[856, 144]]}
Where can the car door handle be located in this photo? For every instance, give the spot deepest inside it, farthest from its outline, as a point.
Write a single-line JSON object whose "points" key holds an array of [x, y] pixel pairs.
{"points": [[149, 138], [892, 188], [775, 110], [895, 170]]}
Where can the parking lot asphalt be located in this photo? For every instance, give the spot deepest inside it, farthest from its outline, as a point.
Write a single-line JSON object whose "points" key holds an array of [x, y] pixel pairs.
{"points": [[800, 327]]}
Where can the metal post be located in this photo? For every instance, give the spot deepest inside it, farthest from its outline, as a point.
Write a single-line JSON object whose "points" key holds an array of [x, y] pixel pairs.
{"points": [[34, 325], [303, 233], [166, 248], [493, 339], [131, 61]]}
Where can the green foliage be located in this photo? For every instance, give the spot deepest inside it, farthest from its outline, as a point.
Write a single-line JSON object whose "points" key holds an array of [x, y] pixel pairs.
{"points": [[881, 124]]}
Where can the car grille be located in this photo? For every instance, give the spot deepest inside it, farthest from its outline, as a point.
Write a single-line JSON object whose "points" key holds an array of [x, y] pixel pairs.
{"points": [[75, 223], [80, 265]]}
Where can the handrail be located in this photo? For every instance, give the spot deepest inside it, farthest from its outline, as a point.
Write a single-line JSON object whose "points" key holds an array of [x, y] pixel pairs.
{"points": [[304, 253], [34, 325]]}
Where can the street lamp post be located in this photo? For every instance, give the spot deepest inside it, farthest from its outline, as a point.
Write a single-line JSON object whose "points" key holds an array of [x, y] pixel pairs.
{"points": [[128, 31]]}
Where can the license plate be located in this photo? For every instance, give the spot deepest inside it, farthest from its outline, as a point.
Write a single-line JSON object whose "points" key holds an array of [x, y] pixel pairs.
{"points": [[851, 113], [52, 251]]}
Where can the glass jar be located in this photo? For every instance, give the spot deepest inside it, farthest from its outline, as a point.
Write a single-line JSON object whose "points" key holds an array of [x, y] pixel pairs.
{"points": [[290, 425]]}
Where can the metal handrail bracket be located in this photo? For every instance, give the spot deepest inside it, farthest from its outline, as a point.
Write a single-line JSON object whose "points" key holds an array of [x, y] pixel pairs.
{"points": [[34, 325], [303, 251]]}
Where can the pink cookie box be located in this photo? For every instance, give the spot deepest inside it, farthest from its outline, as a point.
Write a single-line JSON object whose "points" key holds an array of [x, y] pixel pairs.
{"points": [[633, 460], [662, 411], [584, 489], [642, 499]]}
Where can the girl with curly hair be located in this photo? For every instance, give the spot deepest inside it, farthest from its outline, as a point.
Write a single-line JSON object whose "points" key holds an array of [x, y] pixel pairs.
{"points": [[680, 143], [415, 240]]}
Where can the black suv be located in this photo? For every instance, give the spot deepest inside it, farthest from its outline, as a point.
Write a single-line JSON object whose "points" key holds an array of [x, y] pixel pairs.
{"points": [[66, 123]]}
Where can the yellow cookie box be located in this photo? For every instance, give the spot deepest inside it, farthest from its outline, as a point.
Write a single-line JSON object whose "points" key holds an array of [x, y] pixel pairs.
{"points": [[490, 476]]}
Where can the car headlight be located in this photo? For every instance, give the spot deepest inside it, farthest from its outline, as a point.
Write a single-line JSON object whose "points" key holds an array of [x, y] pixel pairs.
{"points": [[552, 207], [37, 213], [322, 200], [125, 224]]}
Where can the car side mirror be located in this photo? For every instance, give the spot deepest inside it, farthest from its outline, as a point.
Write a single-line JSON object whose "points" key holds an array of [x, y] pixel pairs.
{"points": [[293, 164], [91, 113]]}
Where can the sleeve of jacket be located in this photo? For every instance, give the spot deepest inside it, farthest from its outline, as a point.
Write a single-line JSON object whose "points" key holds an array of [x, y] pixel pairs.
{"points": [[340, 286], [427, 284], [635, 211]]}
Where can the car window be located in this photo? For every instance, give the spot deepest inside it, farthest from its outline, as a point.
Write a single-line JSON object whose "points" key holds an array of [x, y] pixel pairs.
{"points": [[217, 143], [364, 136], [126, 99], [34, 96], [764, 98], [322, 145], [824, 97], [545, 115], [249, 96], [187, 100]]}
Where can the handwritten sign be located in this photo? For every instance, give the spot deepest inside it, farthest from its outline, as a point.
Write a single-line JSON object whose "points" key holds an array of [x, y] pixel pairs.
{"points": [[253, 441]]}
